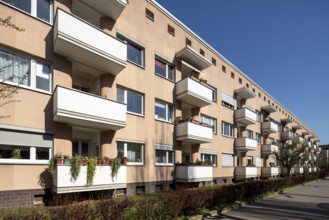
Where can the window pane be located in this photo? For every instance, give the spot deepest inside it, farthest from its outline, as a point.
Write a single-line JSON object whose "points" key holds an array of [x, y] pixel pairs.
{"points": [[120, 148], [134, 102], [134, 152], [135, 54], [170, 115], [160, 68], [14, 152], [21, 4], [14, 68], [42, 153], [120, 95], [160, 156], [43, 76], [75, 148], [170, 157], [43, 10], [160, 110], [84, 149]]}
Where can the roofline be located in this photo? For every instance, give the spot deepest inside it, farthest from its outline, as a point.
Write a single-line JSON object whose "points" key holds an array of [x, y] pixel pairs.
{"points": [[183, 26]]}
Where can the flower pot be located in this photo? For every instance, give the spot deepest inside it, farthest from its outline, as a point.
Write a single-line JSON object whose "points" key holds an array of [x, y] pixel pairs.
{"points": [[100, 162], [59, 160], [124, 160]]}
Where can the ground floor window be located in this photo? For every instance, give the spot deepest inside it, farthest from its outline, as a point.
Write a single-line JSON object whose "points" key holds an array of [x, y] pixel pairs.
{"points": [[227, 160], [164, 154], [133, 151], [80, 148], [24, 153], [209, 158]]}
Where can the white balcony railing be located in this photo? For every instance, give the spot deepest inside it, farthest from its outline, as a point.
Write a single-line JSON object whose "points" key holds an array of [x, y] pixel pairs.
{"points": [[103, 179], [286, 135], [245, 144], [193, 173], [85, 44], [245, 116], [297, 140], [110, 8], [193, 93], [192, 57], [193, 133], [269, 149], [270, 171], [245, 172], [87, 110], [269, 127]]}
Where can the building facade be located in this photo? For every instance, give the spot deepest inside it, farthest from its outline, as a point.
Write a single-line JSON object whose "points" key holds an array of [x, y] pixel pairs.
{"points": [[109, 76]]}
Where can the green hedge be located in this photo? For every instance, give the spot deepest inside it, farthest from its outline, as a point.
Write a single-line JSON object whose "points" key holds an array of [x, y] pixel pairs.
{"points": [[167, 205]]}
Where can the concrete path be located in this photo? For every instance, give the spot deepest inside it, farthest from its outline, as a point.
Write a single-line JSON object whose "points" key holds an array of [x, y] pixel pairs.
{"points": [[310, 201]]}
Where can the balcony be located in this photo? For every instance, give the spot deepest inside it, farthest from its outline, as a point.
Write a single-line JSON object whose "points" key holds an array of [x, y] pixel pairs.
{"points": [[193, 93], [110, 8], [287, 120], [85, 44], [269, 108], [245, 144], [297, 127], [269, 127], [245, 116], [270, 171], [244, 93], [193, 133], [102, 180], [307, 144], [287, 135], [245, 172], [193, 173], [298, 170], [306, 133], [298, 140], [268, 149], [193, 58], [284, 171], [77, 108]]}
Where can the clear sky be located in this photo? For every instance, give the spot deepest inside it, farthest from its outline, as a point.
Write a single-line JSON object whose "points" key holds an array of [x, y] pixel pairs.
{"points": [[282, 45]]}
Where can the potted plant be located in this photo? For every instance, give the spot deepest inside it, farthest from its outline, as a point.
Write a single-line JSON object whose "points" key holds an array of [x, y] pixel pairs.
{"points": [[59, 158], [115, 166], [203, 81], [107, 160], [195, 75], [100, 160], [124, 160], [91, 170], [16, 154], [66, 159], [75, 167]]}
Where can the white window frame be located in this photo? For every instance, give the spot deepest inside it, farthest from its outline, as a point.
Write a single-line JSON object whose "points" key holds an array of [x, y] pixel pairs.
{"points": [[226, 165], [258, 116], [250, 134], [168, 64], [213, 123], [33, 73], [167, 149], [125, 100], [32, 159], [214, 92], [134, 43], [214, 161], [231, 129], [258, 138], [34, 10], [167, 111], [125, 148]]}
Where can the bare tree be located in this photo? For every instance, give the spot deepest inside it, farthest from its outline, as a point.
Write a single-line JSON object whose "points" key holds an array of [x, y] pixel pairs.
{"points": [[290, 155], [7, 91]]}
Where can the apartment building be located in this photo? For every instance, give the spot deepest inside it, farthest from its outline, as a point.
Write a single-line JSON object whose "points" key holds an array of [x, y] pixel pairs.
{"points": [[109, 76]]}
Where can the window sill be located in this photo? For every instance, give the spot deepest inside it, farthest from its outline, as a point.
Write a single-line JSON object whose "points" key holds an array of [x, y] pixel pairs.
{"points": [[22, 161], [164, 164], [136, 64], [168, 122], [172, 81], [27, 87], [135, 114], [135, 164], [227, 136]]}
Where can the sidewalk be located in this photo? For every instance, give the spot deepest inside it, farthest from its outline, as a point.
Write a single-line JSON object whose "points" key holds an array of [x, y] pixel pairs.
{"points": [[310, 201]]}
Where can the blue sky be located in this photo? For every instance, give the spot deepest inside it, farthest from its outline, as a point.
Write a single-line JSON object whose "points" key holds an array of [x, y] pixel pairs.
{"points": [[283, 45]]}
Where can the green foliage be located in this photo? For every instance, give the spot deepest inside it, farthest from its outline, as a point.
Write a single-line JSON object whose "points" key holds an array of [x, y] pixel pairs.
{"points": [[75, 167], [7, 23], [51, 166], [16, 154], [91, 170], [115, 166]]}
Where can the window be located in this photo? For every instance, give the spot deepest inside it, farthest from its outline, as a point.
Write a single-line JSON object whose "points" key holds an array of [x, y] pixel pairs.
{"points": [[209, 158], [227, 160], [164, 154], [213, 61], [258, 138], [212, 122], [240, 80], [133, 151], [214, 92], [24, 153], [250, 161], [254, 90], [80, 148], [247, 85], [224, 68], [171, 30], [228, 100], [164, 111], [258, 115], [164, 69], [134, 101], [227, 129], [259, 95], [232, 75], [37, 8], [249, 134], [149, 14], [269, 102], [264, 98], [135, 51], [25, 71], [202, 52], [188, 42]]}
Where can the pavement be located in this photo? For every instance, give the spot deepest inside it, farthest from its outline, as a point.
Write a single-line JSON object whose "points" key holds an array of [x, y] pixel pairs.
{"points": [[309, 201]]}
